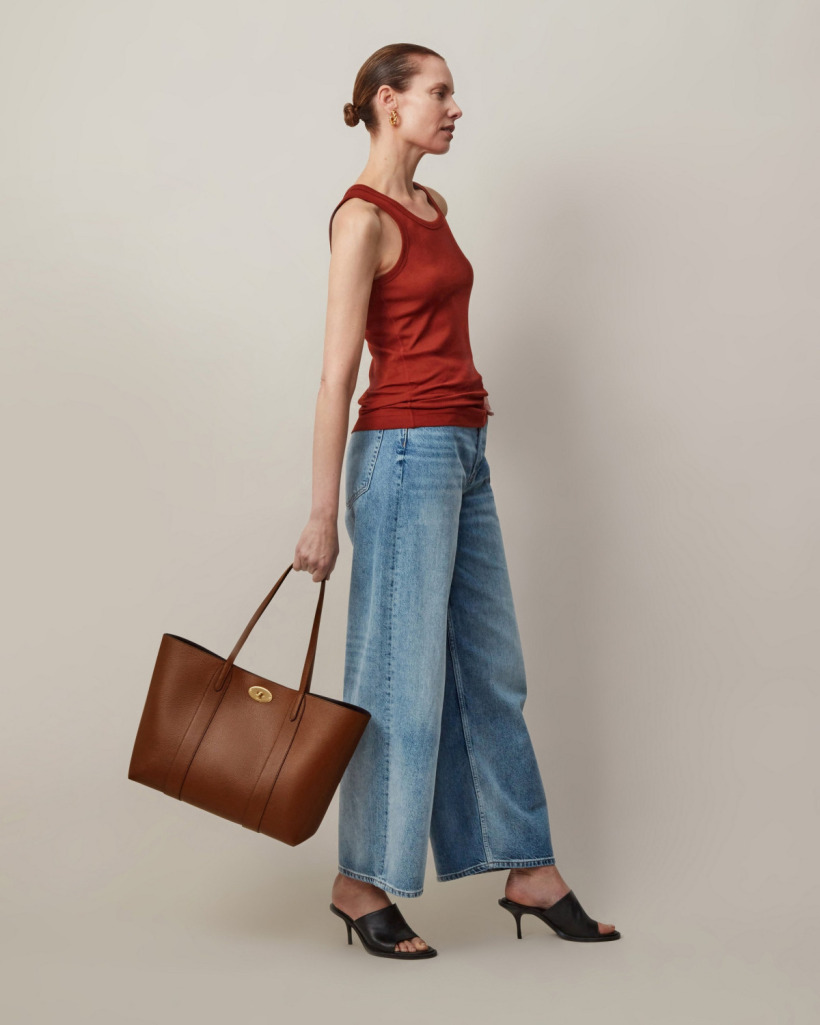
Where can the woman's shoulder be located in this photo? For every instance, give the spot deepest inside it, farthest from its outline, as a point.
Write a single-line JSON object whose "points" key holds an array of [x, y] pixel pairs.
{"points": [[356, 219]]}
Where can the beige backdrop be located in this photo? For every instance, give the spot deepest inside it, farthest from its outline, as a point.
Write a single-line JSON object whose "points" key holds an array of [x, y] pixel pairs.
{"points": [[635, 184]]}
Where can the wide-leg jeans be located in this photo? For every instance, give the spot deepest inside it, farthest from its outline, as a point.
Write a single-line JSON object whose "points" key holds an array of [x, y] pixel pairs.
{"points": [[433, 652]]}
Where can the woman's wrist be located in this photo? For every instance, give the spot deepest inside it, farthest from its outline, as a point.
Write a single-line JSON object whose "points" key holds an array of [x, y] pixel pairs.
{"points": [[328, 514]]}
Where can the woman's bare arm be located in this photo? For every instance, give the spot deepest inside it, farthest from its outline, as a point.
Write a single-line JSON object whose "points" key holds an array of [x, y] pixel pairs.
{"points": [[355, 243]]}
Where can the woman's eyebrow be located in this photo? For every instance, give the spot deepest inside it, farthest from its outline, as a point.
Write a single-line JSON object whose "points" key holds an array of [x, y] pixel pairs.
{"points": [[440, 85]]}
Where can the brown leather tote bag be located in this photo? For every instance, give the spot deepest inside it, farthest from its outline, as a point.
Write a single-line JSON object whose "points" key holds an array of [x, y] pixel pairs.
{"points": [[240, 746]]}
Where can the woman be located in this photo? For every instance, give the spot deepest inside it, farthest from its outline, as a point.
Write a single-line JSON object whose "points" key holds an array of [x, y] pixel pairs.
{"points": [[433, 650]]}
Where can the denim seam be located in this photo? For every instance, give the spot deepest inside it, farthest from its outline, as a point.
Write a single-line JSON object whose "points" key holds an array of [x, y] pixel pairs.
{"points": [[370, 466], [479, 456], [489, 866], [389, 681], [379, 881], [466, 728], [474, 467]]}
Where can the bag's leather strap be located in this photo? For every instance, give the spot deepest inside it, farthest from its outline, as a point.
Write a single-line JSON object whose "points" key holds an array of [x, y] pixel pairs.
{"points": [[258, 801], [212, 698]]}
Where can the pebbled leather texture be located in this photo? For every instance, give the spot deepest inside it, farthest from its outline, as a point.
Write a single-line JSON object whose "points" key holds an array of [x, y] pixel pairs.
{"points": [[271, 766]]}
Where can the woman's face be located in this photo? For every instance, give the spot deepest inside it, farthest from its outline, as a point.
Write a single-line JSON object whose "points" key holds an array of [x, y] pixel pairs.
{"points": [[427, 109]]}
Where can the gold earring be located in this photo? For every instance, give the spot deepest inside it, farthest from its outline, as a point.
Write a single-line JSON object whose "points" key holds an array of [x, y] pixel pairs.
{"points": [[394, 117]]}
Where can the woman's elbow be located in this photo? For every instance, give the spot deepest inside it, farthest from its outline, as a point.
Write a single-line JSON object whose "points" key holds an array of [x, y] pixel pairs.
{"points": [[338, 387]]}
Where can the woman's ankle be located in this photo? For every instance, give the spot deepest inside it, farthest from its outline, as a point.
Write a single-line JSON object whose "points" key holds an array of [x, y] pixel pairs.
{"points": [[350, 885], [533, 870]]}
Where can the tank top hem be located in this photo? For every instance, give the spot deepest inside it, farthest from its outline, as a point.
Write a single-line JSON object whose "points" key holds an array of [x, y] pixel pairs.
{"points": [[391, 419]]}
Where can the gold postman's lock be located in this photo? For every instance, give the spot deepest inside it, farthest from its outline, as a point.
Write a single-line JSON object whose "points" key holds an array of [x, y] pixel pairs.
{"points": [[260, 694]]}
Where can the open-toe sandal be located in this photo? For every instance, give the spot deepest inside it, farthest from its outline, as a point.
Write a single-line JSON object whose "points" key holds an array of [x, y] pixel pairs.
{"points": [[381, 930], [565, 916]]}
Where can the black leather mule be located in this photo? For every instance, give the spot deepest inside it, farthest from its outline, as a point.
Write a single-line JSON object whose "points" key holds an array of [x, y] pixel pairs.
{"points": [[381, 930], [565, 916]]}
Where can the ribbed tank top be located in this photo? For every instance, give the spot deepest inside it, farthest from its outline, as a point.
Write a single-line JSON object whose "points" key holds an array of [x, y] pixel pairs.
{"points": [[421, 371]]}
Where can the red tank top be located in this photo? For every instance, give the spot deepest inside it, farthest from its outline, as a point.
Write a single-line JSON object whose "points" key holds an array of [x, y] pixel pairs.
{"points": [[422, 371]]}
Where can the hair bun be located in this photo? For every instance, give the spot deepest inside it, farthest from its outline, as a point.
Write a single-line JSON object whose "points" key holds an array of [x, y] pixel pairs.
{"points": [[351, 114]]}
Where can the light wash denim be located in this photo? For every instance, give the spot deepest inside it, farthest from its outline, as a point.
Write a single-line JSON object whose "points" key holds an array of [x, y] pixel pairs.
{"points": [[433, 652]]}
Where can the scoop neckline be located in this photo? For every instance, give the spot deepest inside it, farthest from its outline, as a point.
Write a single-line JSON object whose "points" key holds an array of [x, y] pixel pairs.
{"points": [[434, 223]]}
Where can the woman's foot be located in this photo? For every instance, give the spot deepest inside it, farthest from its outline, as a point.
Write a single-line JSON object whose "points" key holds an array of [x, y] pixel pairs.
{"points": [[356, 898], [540, 886]]}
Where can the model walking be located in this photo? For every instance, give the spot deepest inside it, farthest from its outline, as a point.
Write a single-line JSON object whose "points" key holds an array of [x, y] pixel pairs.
{"points": [[433, 649]]}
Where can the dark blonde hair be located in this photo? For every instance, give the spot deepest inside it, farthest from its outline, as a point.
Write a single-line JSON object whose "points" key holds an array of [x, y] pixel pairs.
{"points": [[394, 65]]}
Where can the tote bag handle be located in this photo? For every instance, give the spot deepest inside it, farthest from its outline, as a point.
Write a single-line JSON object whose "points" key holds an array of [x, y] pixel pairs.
{"points": [[307, 671]]}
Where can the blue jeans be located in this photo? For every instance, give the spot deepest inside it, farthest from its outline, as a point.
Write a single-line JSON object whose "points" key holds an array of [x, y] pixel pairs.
{"points": [[433, 652]]}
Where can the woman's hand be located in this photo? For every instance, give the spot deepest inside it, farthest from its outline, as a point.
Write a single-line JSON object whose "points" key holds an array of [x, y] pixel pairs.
{"points": [[317, 548], [487, 405]]}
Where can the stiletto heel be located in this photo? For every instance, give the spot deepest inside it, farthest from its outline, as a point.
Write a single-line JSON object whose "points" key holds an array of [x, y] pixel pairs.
{"points": [[381, 930], [517, 914], [566, 917]]}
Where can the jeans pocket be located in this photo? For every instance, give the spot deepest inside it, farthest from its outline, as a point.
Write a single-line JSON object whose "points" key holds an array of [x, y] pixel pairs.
{"points": [[363, 450]]}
